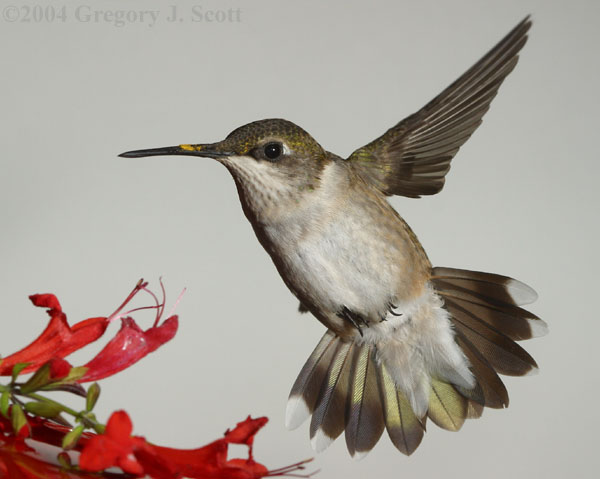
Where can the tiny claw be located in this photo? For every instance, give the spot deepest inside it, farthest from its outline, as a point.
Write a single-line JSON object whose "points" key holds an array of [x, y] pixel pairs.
{"points": [[354, 318], [391, 308]]}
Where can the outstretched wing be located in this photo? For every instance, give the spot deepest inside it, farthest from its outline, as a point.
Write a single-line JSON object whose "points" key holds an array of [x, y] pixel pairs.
{"points": [[412, 158]]}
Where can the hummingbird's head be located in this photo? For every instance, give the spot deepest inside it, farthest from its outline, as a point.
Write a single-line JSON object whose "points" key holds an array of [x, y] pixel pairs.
{"points": [[271, 157]]}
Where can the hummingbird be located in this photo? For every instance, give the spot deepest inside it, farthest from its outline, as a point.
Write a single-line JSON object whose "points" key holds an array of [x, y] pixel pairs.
{"points": [[405, 341]]}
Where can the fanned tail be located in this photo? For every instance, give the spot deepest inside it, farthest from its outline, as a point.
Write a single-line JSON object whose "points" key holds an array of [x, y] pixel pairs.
{"points": [[346, 388], [358, 387]]}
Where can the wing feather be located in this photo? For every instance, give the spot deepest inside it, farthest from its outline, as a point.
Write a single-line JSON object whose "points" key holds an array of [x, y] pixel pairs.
{"points": [[413, 157]]}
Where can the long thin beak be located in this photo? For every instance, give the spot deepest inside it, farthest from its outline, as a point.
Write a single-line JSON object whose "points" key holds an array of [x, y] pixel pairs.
{"points": [[207, 151]]}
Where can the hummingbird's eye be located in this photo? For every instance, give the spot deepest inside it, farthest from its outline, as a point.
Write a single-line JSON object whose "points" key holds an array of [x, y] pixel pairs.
{"points": [[273, 150]]}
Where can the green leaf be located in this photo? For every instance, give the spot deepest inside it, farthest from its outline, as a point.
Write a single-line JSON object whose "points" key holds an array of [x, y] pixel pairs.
{"points": [[18, 418], [43, 409], [92, 396], [17, 368], [4, 403], [39, 379], [71, 438]]}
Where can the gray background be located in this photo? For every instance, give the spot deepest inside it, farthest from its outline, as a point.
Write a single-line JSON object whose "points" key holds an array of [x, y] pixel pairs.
{"points": [[521, 199]]}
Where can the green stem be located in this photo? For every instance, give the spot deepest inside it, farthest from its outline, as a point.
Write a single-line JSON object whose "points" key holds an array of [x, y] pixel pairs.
{"points": [[37, 397], [86, 420]]}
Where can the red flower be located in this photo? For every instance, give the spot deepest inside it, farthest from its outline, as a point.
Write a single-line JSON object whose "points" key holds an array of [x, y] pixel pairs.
{"points": [[211, 461], [57, 340], [117, 447], [129, 346], [113, 448]]}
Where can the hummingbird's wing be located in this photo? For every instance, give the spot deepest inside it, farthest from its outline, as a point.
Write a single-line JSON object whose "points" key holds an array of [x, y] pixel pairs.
{"points": [[412, 158]]}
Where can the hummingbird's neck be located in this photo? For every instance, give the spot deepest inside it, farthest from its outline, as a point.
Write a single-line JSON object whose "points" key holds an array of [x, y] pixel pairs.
{"points": [[262, 193], [270, 195]]}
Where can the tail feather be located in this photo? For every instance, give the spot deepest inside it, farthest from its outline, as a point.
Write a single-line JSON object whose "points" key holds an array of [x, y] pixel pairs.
{"points": [[404, 428], [365, 422], [492, 299], [494, 392], [474, 394], [489, 286], [328, 420], [516, 323], [503, 354], [447, 407], [305, 392], [474, 410]]}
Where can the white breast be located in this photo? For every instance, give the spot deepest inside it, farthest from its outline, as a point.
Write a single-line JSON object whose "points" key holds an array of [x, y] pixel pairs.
{"points": [[327, 253]]}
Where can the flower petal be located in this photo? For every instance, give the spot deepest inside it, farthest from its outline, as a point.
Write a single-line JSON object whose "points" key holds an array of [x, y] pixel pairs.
{"points": [[59, 368], [245, 431], [130, 465], [211, 460], [128, 346], [98, 454], [56, 341], [46, 301], [119, 427]]}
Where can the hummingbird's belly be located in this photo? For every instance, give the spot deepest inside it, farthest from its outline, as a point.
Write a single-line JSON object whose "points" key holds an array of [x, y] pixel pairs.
{"points": [[352, 260], [335, 273]]}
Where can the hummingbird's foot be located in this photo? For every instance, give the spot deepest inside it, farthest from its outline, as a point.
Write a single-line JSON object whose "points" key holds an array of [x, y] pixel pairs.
{"points": [[391, 308], [355, 319]]}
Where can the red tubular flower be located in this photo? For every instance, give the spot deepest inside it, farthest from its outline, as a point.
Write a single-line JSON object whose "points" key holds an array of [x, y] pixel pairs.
{"points": [[133, 454], [129, 346], [211, 461], [116, 447], [57, 340]]}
